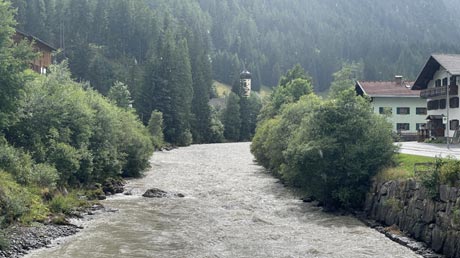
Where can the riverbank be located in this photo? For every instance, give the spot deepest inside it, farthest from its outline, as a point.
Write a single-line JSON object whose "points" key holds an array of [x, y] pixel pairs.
{"points": [[411, 207], [395, 234], [24, 239], [392, 232]]}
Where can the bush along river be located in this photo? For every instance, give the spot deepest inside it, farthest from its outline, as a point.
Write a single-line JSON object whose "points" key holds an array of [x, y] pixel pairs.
{"points": [[216, 202]]}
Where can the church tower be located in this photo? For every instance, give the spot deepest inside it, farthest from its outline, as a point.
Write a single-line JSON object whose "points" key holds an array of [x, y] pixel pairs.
{"points": [[245, 83]]}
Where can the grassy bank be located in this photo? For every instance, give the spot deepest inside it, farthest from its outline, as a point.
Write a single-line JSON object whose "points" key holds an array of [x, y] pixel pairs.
{"points": [[403, 167]]}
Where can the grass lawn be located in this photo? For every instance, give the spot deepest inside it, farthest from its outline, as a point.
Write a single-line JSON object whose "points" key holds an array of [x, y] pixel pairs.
{"points": [[222, 89], [265, 91], [404, 167]]}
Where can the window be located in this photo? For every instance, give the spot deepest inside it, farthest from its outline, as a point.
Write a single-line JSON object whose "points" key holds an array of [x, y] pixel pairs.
{"points": [[402, 126], [454, 124], [453, 80], [444, 82], [385, 110], [437, 83], [420, 111], [403, 111], [433, 104], [419, 126], [442, 103], [453, 102]]}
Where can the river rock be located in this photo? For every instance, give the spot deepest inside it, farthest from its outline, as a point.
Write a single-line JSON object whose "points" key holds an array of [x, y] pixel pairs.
{"points": [[308, 199], [158, 193], [155, 193], [113, 186]]}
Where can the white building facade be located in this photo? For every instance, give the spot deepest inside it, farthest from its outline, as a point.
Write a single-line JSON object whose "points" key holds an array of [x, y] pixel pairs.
{"points": [[404, 108], [438, 83]]}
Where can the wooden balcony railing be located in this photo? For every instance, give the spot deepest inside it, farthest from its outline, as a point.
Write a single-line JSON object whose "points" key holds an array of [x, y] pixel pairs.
{"points": [[439, 91]]}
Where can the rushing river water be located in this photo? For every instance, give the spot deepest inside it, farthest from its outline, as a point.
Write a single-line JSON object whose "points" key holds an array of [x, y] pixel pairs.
{"points": [[231, 209]]}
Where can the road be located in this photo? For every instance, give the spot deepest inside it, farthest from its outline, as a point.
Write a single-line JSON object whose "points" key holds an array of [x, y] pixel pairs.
{"points": [[429, 149]]}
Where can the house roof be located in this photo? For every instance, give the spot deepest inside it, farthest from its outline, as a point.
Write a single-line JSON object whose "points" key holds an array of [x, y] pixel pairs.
{"points": [[450, 62], [387, 89], [37, 40]]}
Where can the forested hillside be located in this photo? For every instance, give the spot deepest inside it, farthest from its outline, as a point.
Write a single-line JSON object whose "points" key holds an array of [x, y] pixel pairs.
{"points": [[267, 36], [389, 37], [163, 58]]}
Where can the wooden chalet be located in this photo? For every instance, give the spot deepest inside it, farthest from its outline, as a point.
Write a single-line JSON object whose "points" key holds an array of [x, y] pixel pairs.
{"points": [[41, 64]]}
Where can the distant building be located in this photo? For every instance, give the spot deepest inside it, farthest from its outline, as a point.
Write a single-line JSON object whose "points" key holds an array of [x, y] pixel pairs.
{"points": [[245, 83], [440, 73], [41, 64], [395, 99]]}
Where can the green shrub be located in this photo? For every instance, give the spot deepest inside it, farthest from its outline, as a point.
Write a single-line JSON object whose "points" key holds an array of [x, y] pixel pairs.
{"points": [[16, 162], [431, 179], [66, 159], [449, 172], [19, 204], [331, 148], [394, 204], [62, 204], [78, 131], [456, 216], [44, 175]]}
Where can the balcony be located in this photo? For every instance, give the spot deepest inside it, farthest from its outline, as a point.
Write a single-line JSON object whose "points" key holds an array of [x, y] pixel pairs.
{"points": [[438, 91]]}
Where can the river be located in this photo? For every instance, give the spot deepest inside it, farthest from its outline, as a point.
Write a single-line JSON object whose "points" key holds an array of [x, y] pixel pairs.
{"points": [[232, 208]]}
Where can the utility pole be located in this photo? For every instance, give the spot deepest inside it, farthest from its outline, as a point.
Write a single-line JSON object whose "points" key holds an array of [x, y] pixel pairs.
{"points": [[447, 109]]}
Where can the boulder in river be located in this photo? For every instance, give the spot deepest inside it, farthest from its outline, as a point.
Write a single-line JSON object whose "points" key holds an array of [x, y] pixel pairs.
{"points": [[113, 186], [158, 193], [155, 193]]}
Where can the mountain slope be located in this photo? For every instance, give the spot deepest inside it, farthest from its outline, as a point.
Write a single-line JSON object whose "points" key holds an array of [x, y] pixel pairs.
{"points": [[269, 36]]}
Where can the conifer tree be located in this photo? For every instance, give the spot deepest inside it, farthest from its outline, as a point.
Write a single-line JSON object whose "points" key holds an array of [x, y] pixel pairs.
{"points": [[201, 74], [231, 118], [119, 93], [182, 94]]}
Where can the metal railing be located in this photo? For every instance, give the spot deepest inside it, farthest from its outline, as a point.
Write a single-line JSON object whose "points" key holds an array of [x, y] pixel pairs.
{"points": [[438, 91]]}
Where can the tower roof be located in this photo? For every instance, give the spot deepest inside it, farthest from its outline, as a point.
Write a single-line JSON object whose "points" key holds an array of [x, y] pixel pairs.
{"points": [[245, 74]]}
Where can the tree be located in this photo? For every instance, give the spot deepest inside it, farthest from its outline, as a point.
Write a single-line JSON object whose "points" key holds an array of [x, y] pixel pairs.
{"points": [[345, 78], [338, 149], [181, 95], [231, 118], [13, 62], [119, 93], [100, 70], [168, 89], [217, 128], [295, 84], [155, 127], [273, 135], [249, 111], [78, 131]]}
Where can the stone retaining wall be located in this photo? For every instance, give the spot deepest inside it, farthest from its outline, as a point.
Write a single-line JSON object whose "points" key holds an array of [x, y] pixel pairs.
{"points": [[409, 205]]}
